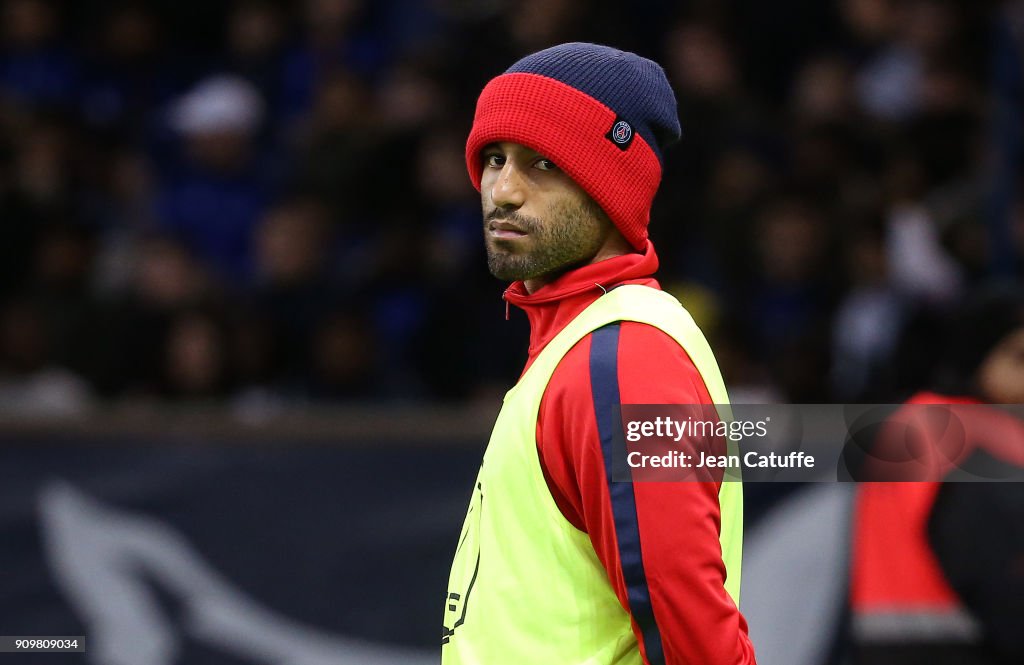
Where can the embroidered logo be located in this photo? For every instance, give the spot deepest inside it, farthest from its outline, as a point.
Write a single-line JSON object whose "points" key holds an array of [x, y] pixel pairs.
{"points": [[621, 134]]}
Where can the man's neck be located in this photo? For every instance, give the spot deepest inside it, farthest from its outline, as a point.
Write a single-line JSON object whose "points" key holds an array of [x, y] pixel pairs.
{"points": [[616, 245], [552, 308]]}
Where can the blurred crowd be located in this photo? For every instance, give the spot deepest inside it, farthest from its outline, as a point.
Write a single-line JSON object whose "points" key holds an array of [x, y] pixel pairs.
{"points": [[265, 203]]}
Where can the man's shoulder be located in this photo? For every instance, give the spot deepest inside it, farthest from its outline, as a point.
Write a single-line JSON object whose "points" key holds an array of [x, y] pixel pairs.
{"points": [[648, 362], [632, 338]]}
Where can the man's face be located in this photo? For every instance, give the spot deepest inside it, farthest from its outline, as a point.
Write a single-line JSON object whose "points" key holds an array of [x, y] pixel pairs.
{"points": [[1001, 375], [538, 222]]}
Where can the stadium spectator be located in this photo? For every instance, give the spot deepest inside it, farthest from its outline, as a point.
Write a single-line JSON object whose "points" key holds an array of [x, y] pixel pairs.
{"points": [[214, 201]]}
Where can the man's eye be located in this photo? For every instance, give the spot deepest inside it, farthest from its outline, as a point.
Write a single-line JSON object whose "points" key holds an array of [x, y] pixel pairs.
{"points": [[546, 165], [495, 161]]}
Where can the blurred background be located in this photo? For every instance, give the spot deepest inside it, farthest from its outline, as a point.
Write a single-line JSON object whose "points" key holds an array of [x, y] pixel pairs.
{"points": [[242, 279]]}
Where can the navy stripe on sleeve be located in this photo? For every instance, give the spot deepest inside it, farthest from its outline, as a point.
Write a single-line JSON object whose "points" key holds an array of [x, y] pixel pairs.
{"points": [[604, 384]]}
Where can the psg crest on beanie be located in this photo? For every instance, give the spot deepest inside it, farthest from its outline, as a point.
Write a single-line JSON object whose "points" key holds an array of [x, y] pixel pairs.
{"points": [[621, 134]]}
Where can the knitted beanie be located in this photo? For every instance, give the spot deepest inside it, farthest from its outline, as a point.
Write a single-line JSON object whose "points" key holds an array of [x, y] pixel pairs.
{"points": [[602, 115]]}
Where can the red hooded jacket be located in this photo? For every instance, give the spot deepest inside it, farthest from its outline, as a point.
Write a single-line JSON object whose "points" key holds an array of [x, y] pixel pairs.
{"points": [[695, 620]]}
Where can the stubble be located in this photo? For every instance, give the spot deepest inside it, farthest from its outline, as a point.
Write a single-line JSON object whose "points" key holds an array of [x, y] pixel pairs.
{"points": [[571, 236]]}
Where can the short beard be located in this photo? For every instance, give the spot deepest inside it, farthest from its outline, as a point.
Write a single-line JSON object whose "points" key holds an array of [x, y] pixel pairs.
{"points": [[570, 238]]}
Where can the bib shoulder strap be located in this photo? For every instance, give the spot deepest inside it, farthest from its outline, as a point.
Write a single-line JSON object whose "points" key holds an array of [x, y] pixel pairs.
{"points": [[642, 304]]}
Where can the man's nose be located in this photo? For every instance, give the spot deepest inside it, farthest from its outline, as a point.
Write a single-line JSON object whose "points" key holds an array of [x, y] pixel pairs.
{"points": [[509, 190]]}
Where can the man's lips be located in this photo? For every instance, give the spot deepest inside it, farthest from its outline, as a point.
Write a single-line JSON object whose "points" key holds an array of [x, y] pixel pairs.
{"points": [[505, 230]]}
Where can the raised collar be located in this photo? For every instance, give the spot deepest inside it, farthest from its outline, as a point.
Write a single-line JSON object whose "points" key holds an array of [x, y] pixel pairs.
{"points": [[554, 305]]}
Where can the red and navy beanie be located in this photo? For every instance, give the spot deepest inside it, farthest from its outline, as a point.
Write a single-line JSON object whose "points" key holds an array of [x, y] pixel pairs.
{"points": [[601, 114]]}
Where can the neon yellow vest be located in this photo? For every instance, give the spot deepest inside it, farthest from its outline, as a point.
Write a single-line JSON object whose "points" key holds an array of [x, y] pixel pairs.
{"points": [[526, 586]]}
